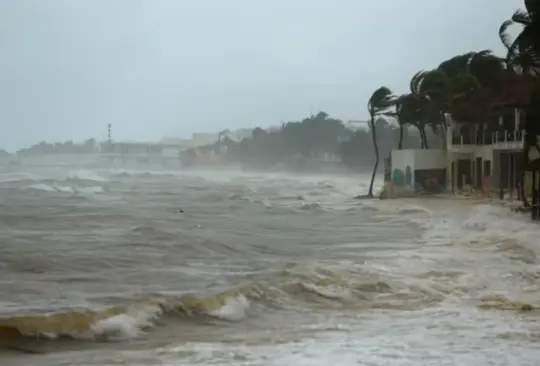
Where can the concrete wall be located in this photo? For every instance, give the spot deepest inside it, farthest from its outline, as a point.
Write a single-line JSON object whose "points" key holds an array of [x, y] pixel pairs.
{"points": [[403, 167], [485, 152], [429, 159], [428, 166]]}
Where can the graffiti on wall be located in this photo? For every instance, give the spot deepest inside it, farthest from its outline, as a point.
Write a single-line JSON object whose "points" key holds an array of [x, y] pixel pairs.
{"points": [[401, 178]]}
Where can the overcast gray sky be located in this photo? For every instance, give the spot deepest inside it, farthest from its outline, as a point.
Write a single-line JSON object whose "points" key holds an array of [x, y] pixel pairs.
{"points": [[156, 68]]}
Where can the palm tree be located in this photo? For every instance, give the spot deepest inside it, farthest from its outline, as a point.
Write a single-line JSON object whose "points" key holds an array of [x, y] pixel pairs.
{"points": [[380, 101], [524, 50], [407, 112], [523, 58], [436, 90], [428, 89]]}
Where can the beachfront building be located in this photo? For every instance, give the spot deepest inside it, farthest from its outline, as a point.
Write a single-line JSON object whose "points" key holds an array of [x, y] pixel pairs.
{"points": [[479, 157], [485, 157]]}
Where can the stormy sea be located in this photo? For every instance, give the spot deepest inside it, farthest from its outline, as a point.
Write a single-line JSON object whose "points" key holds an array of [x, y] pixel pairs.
{"points": [[104, 264]]}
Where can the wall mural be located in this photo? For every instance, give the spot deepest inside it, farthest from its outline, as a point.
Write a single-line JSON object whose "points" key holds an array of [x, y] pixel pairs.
{"points": [[401, 178]]}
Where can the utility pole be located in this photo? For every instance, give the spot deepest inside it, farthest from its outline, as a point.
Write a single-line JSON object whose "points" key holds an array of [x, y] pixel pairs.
{"points": [[109, 139]]}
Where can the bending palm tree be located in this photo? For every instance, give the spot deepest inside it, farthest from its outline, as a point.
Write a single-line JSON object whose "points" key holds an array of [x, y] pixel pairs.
{"points": [[523, 58], [407, 112], [379, 102], [524, 51]]}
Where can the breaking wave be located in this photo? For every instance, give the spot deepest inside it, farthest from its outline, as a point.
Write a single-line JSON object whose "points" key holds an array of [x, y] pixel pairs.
{"points": [[288, 290], [59, 188], [80, 182]]}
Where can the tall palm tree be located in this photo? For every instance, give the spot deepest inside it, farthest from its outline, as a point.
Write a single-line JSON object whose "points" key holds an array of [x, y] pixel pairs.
{"points": [[523, 57], [437, 90], [524, 50], [430, 89], [407, 112], [381, 100], [419, 101]]}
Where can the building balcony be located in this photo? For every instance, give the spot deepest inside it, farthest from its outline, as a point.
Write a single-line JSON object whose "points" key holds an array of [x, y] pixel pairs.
{"points": [[500, 140]]}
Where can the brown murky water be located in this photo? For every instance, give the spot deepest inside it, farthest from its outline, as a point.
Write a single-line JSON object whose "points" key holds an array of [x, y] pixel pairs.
{"points": [[142, 266]]}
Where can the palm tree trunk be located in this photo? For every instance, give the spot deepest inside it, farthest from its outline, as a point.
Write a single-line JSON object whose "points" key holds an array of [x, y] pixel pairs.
{"points": [[376, 147], [522, 188], [400, 144], [424, 138], [423, 142], [443, 133], [523, 166]]}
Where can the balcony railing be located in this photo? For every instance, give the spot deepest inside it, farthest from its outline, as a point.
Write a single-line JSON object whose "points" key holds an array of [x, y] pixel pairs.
{"points": [[508, 136]]}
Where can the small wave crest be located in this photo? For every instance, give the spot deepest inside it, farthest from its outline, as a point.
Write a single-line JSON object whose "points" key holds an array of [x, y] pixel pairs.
{"points": [[66, 189], [501, 302], [311, 207], [86, 175]]}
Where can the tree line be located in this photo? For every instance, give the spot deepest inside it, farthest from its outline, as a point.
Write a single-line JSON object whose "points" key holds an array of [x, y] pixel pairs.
{"points": [[318, 137], [89, 146]]}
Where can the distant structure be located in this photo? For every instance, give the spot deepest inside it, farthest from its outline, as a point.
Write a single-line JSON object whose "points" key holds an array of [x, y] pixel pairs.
{"points": [[357, 125], [109, 140]]}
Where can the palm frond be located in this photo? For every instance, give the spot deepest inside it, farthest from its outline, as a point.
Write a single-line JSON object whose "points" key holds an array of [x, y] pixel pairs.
{"points": [[503, 34], [522, 17], [416, 82], [465, 82], [435, 84], [525, 51], [456, 64], [380, 100]]}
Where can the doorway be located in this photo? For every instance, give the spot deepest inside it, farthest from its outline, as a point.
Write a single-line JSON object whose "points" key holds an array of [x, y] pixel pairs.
{"points": [[478, 170], [463, 172]]}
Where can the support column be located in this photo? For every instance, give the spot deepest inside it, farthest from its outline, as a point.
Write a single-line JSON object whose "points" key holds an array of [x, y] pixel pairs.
{"points": [[449, 171], [511, 174], [472, 170], [535, 214]]}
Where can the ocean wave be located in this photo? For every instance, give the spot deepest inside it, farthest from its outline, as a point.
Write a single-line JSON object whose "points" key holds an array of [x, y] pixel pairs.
{"points": [[74, 183], [501, 302], [59, 188], [26, 178], [138, 173], [311, 207], [517, 251], [123, 322], [85, 175], [233, 305]]}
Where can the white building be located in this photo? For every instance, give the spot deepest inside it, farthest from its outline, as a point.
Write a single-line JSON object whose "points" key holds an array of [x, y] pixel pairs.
{"points": [[478, 159]]}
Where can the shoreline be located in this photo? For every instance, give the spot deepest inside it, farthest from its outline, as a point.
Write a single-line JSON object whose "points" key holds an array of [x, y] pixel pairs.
{"points": [[391, 192]]}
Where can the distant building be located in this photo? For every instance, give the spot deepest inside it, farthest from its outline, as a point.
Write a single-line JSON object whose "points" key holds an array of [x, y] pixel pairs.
{"points": [[240, 134], [184, 143], [201, 138]]}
